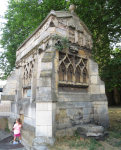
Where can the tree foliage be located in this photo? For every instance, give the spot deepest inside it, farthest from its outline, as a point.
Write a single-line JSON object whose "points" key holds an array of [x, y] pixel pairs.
{"points": [[23, 17], [102, 17], [111, 72]]}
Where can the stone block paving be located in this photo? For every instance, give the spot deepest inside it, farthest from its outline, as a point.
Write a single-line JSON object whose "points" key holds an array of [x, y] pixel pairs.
{"points": [[7, 143]]}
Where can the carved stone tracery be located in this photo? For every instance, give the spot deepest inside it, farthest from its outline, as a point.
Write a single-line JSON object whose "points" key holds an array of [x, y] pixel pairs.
{"points": [[72, 68], [28, 70]]}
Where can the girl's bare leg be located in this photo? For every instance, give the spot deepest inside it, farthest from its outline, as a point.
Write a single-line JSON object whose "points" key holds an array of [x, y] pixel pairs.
{"points": [[14, 139], [20, 138]]}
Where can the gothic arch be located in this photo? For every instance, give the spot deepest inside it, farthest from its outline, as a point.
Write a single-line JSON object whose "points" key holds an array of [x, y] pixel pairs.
{"points": [[21, 111], [62, 72], [78, 74], [84, 75], [70, 73], [30, 74]]}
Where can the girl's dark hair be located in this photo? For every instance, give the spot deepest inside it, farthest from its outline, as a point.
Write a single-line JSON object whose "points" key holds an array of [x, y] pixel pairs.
{"points": [[19, 121]]}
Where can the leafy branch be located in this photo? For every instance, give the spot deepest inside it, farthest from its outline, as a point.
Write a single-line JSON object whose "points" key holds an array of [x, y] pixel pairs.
{"points": [[60, 43]]}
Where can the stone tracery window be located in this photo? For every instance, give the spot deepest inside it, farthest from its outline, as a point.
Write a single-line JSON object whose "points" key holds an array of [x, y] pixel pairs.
{"points": [[28, 70], [72, 68]]}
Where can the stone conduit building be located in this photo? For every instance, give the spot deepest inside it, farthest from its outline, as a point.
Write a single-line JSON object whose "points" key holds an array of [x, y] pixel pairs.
{"points": [[53, 91]]}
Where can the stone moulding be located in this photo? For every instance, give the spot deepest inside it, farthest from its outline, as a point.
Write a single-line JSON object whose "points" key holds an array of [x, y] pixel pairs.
{"points": [[68, 84], [8, 97], [27, 87]]}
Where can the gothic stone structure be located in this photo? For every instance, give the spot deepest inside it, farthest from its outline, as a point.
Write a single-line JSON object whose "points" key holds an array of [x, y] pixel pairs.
{"points": [[55, 91]]}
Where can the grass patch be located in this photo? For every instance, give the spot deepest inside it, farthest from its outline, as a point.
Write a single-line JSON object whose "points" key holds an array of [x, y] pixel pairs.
{"points": [[115, 119], [94, 144], [114, 134]]}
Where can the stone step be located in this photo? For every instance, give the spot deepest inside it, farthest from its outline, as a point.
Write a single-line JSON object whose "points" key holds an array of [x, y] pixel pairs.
{"points": [[5, 135], [1, 130], [2, 134]]}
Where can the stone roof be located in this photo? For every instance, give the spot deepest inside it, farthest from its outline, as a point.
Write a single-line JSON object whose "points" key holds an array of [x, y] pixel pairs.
{"points": [[59, 14]]}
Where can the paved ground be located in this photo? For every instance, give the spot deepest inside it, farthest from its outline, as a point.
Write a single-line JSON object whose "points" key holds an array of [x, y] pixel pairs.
{"points": [[6, 142]]}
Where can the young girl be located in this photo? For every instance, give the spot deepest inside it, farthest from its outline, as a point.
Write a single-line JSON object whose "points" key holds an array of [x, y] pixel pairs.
{"points": [[16, 129]]}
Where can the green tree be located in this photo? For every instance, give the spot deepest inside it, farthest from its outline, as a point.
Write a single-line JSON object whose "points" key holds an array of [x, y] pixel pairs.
{"points": [[111, 72], [103, 19], [101, 16], [23, 17]]}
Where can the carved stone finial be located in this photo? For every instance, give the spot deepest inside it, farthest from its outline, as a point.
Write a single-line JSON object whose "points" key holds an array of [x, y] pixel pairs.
{"points": [[72, 8]]}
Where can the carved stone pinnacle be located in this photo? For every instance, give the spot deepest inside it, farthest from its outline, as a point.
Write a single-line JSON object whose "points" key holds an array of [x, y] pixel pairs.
{"points": [[72, 8]]}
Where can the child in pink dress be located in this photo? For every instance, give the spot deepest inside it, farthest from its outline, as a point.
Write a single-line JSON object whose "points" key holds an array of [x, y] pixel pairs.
{"points": [[16, 129]]}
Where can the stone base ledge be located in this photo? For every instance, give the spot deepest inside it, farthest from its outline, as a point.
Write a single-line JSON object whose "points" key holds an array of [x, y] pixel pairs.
{"points": [[90, 128], [100, 103], [66, 132], [8, 97]]}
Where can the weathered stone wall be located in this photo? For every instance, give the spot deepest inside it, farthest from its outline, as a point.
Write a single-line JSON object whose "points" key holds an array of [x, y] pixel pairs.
{"points": [[3, 123], [11, 85], [28, 135], [29, 113], [74, 109]]}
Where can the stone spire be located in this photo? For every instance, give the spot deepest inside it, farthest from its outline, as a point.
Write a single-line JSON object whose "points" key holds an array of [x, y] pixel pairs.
{"points": [[72, 8]]}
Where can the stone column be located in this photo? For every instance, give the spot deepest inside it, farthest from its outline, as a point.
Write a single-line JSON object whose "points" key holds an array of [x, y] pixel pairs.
{"points": [[34, 80]]}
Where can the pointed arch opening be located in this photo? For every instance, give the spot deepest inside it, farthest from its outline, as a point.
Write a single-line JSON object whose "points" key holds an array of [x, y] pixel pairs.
{"points": [[81, 64], [62, 72], [85, 75], [30, 74], [70, 73], [66, 61], [78, 74]]}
